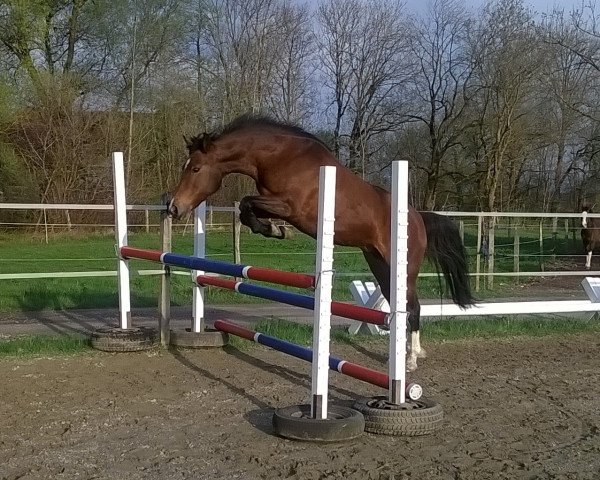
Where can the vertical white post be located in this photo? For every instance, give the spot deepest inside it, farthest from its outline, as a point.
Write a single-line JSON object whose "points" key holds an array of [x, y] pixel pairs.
{"points": [[398, 284], [199, 251], [324, 276], [120, 203]]}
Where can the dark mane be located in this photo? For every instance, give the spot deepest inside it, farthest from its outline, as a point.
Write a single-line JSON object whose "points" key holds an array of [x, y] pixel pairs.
{"points": [[249, 121]]}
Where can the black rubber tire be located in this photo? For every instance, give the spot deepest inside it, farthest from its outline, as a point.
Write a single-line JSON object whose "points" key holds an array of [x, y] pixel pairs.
{"points": [[341, 424], [413, 418], [114, 339]]}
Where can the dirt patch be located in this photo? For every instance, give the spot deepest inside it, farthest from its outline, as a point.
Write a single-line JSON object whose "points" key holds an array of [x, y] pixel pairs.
{"points": [[521, 408]]}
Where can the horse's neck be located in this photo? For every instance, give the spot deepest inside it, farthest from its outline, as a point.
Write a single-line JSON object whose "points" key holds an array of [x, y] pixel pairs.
{"points": [[236, 159]]}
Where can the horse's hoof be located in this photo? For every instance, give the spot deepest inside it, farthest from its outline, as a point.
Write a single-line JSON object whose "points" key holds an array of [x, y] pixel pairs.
{"points": [[276, 232], [286, 232]]}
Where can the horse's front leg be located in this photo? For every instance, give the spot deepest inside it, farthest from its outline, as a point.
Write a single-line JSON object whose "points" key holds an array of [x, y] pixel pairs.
{"points": [[255, 212], [588, 258]]}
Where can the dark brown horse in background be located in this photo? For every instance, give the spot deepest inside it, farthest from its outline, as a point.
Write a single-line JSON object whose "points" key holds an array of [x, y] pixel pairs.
{"points": [[284, 162], [590, 235]]}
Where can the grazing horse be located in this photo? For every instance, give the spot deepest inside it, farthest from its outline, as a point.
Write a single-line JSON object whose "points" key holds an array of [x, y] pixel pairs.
{"points": [[590, 234], [284, 161]]}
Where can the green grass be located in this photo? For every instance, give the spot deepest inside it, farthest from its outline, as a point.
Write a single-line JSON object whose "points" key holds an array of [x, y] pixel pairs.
{"points": [[506, 327], [24, 253], [43, 345], [451, 330], [301, 334]]}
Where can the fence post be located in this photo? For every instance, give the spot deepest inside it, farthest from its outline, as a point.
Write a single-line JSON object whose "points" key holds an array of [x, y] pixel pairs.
{"points": [[147, 216], [492, 247], [461, 231], [478, 257], [554, 236], [46, 225], [516, 253], [237, 228], [541, 256], [164, 303]]}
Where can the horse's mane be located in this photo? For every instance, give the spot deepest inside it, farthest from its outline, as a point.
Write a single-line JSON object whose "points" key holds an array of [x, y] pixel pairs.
{"points": [[251, 121]]}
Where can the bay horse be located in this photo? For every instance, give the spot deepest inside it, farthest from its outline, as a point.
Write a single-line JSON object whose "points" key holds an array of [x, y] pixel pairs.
{"points": [[590, 234], [284, 161]]}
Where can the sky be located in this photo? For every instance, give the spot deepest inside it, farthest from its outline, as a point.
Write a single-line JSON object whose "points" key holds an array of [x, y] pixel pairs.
{"points": [[541, 6]]}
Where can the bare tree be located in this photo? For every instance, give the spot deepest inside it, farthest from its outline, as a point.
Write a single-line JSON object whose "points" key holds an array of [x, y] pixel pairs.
{"points": [[506, 51], [293, 92], [440, 88], [362, 51]]}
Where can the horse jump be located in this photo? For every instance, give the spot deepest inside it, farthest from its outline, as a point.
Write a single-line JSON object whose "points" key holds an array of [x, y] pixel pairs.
{"points": [[322, 300]]}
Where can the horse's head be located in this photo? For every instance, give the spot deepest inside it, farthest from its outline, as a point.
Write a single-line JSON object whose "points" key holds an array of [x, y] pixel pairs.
{"points": [[201, 176]]}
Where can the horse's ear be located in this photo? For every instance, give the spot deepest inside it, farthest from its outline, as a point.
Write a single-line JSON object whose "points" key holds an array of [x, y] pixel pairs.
{"points": [[188, 142]]}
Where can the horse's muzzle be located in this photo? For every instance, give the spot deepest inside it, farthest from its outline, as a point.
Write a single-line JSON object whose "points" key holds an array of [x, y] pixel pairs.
{"points": [[167, 200]]}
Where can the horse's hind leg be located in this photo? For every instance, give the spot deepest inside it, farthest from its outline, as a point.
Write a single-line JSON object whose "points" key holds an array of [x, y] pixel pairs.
{"points": [[381, 271], [253, 211]]}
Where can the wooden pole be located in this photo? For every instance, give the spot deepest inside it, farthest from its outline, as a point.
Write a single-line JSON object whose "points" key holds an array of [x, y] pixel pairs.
{"points": [[542, 245], [164, 303], [554, 236], [478, 258], [516, 252], [491, 241], [237, 228]]}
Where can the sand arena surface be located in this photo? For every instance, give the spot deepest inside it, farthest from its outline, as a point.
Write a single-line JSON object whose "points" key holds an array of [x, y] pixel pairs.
{"points": [[514, 409]]}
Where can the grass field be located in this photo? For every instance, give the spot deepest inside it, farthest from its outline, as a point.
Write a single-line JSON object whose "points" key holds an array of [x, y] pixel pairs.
{"points": [[301, 334], [27, 253]]}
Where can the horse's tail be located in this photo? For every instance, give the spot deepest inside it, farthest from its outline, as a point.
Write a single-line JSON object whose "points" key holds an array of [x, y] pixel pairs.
{"points": [[445, 249]]}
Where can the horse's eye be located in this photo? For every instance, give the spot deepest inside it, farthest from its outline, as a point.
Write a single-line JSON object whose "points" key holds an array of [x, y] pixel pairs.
{"points": [[195, 169]]}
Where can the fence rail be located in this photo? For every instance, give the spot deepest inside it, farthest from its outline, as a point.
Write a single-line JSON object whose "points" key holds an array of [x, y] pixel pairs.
{"points": [[485, 250]]}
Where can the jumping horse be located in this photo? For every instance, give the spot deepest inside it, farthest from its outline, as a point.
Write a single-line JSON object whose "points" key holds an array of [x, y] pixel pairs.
{"points": [[284, 161], [590, 234]]}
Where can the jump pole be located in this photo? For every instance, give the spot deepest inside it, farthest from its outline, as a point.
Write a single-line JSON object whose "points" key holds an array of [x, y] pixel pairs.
{"points": [[353, 370], [347, 310], [398, 284], [120, 203], [272, 275]]}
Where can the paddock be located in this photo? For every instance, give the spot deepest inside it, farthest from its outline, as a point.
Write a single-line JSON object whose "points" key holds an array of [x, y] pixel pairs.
{"points": [[514, 408]]}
